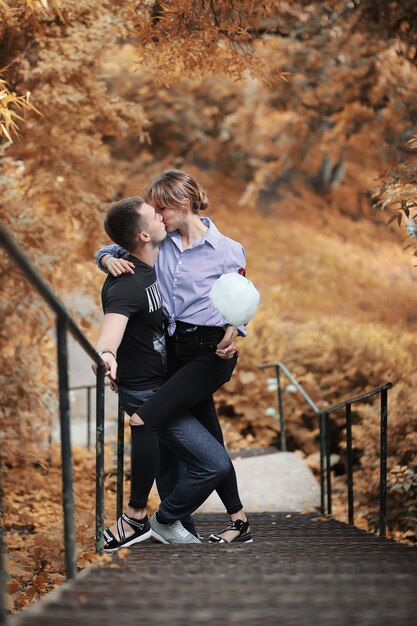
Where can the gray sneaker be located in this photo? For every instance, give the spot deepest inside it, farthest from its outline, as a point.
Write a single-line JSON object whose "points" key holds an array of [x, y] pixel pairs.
{"points": [[171, 533]]}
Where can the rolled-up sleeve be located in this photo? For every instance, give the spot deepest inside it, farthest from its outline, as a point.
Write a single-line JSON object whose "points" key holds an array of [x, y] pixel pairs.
{"points": [[236, 259]]}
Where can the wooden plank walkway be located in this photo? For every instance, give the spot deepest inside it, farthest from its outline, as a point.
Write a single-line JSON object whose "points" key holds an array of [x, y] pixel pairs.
{"points": [[299, 571]]}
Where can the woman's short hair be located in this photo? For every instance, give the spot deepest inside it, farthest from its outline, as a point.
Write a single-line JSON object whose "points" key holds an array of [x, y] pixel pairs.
{"points": [[172, 187]]}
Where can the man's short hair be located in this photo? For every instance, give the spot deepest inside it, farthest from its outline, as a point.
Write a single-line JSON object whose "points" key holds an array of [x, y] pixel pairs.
{"points": [[123, 224]]}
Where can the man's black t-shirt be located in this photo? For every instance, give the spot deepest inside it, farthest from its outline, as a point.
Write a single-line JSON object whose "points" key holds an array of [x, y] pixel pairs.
{"points": [[141, 357]]}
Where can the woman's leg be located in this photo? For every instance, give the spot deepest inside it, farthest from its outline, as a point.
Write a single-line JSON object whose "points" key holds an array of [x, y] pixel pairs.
{"points": [[190, 386], [206, 413], [227, 490], [178, 354], [204, 462]]}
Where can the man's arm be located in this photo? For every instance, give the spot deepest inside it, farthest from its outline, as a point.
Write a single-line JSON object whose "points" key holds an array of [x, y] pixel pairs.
{"points": [[111, 334]]}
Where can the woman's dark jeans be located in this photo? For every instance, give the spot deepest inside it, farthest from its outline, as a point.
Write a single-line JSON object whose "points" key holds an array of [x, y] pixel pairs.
{"points": [[204, 462], [195, 374]]}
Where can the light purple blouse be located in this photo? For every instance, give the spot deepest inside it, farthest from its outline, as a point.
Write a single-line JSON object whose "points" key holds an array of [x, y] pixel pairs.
{"points": [[186, 277]]}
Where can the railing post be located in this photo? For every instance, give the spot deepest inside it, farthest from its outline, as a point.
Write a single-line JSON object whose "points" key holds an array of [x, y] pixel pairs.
{"points": [[120, 457], [283, 439], [2, 568], [383, 465], [349, 462], [88, 418], [100, 458], [66, 454], [322, 426], [328, 467]]}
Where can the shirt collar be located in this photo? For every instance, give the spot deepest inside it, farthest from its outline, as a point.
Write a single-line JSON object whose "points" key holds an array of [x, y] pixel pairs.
{"points": [[212, 235]]}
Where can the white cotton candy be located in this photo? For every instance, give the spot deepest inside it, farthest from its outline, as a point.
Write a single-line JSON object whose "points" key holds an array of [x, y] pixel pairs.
{"points": [[235, 298]]}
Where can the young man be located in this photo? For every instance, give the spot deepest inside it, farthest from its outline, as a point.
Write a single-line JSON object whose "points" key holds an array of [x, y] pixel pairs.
{"points": [[132, 345]]}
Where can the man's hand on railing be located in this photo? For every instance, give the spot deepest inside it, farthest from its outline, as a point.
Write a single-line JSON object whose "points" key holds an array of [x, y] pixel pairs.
{"points": [[110, 370]]}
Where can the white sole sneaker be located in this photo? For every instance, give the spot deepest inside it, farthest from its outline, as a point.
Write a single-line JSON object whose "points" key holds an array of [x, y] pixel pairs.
{"points": [[174, 533], [132, 542], [158, 537]]}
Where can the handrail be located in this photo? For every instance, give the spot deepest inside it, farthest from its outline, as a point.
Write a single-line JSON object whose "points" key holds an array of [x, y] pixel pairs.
{"points": [[120, 443], [278, 367], [324, 417], [381, 390], [88, 388], [65, 323], [362, 396], [46, 292], [2, 565]]}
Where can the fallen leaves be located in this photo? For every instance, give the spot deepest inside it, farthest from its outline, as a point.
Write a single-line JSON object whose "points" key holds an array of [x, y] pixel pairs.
{"points": [[34, 534]]}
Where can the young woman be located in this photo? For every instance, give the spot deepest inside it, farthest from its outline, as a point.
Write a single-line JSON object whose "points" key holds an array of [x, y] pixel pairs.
{"points": [[201, 348]]}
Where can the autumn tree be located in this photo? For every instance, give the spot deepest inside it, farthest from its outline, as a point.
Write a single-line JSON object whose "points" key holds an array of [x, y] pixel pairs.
{"points": [[59, 172], [307, 90]]}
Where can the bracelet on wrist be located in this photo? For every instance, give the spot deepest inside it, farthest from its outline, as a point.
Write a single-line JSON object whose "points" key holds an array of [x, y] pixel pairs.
{"points": [[107, 352]]}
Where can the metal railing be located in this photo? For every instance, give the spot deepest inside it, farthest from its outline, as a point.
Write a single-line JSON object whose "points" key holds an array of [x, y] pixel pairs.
{"points": [[278, 367], [325, 448], [2, 567], [120, 441], [382, 390], [64, 323], [88, 397]]}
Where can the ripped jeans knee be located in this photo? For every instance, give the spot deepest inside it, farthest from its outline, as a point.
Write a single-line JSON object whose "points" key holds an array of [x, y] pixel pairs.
{"points": [[135, 420]]}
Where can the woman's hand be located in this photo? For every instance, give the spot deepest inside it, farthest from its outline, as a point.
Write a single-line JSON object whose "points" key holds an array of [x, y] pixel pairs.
{"points": [[117, 267], [227, 348]]}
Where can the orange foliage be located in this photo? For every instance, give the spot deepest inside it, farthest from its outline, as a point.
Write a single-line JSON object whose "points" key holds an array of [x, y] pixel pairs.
{"points": [[34, 518]]}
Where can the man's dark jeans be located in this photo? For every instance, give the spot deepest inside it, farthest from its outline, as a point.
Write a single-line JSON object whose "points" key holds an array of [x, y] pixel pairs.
{"points": [[203, 462], [195, 374]]}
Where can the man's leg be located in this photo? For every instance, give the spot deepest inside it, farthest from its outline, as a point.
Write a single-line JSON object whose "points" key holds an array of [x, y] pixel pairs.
{"points": [[191, 387], [169, 473], [228, 490], [144, 466], [206, 463]]}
